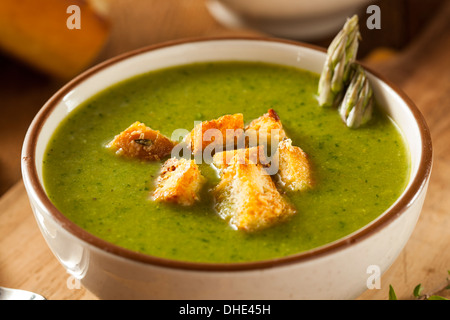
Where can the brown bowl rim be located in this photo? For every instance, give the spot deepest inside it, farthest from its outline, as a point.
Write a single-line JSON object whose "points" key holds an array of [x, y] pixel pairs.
{"points": [[29, 169]]}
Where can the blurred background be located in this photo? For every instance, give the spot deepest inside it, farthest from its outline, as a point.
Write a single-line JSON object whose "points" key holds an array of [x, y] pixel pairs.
{"points": [[39, 54]]}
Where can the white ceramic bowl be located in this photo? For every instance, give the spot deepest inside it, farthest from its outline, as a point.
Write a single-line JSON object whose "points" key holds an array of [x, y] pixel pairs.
{"points": [[335, 271], [296, 19]]}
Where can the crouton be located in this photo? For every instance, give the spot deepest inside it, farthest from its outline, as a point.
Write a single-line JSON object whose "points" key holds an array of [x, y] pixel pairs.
{"points": [[252, 155], [201, 136], [294, 169], [142, 142], [265, 129], [179, 182], [248, 198]]}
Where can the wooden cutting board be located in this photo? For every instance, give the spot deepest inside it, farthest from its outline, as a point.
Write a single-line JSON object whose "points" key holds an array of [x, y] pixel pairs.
{"points": [[422, 71]]}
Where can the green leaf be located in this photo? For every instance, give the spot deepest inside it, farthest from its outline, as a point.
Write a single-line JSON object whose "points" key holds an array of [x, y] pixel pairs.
{"points": [[418, 290], [436, 298], [448, 279], [392, 295]]}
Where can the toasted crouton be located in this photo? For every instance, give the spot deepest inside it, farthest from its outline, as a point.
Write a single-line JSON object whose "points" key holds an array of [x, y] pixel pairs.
{"points": [[248, 198], [142, 142], [252, 155], [265, 129], [294, 169], [179, 182], [204, 134]]}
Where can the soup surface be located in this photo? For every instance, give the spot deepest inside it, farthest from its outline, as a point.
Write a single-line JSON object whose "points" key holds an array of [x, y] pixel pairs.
{"points": [[359, 172]]}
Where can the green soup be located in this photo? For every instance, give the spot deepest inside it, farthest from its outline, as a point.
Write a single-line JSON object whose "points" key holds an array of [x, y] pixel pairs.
{"points": [[359, 173]]}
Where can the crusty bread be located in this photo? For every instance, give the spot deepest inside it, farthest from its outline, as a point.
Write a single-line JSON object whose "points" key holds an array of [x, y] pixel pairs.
{"points": [[249, 199], [294, 169], [200, 138], [253, 155], [36, 33], [142, 142], [265, 129], [179, 182]]}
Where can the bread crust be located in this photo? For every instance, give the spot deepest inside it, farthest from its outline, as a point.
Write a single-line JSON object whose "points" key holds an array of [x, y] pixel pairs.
{"points": [[247, 197], [253, 155], [265, 130], [180, 181], [294, 168], [200, 138], [141, 142]]}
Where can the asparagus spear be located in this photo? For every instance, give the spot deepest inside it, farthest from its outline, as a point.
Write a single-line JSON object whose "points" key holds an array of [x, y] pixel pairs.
{"points": [[336, 71], [357, 103], [343, 83]]}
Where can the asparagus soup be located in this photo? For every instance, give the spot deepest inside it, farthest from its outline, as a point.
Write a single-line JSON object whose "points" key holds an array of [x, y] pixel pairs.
{"points": [[357, 174]]}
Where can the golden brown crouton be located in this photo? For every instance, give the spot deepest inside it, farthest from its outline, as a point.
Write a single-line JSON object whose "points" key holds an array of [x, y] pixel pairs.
{"points": [[142, 142], [203, 134], [179, 182], [252, 155], [248, 198], [264, 129], [294, 168]]}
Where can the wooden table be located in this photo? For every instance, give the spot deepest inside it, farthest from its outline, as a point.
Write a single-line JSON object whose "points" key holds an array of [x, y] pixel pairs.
{"points": [[422, 71]]}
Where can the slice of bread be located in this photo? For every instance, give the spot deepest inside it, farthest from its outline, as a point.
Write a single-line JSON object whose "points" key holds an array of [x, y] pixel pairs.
{"points": [[247, 197], [179, 182], [142, 142], [265, 130], [294, 169], [216, 134]]}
